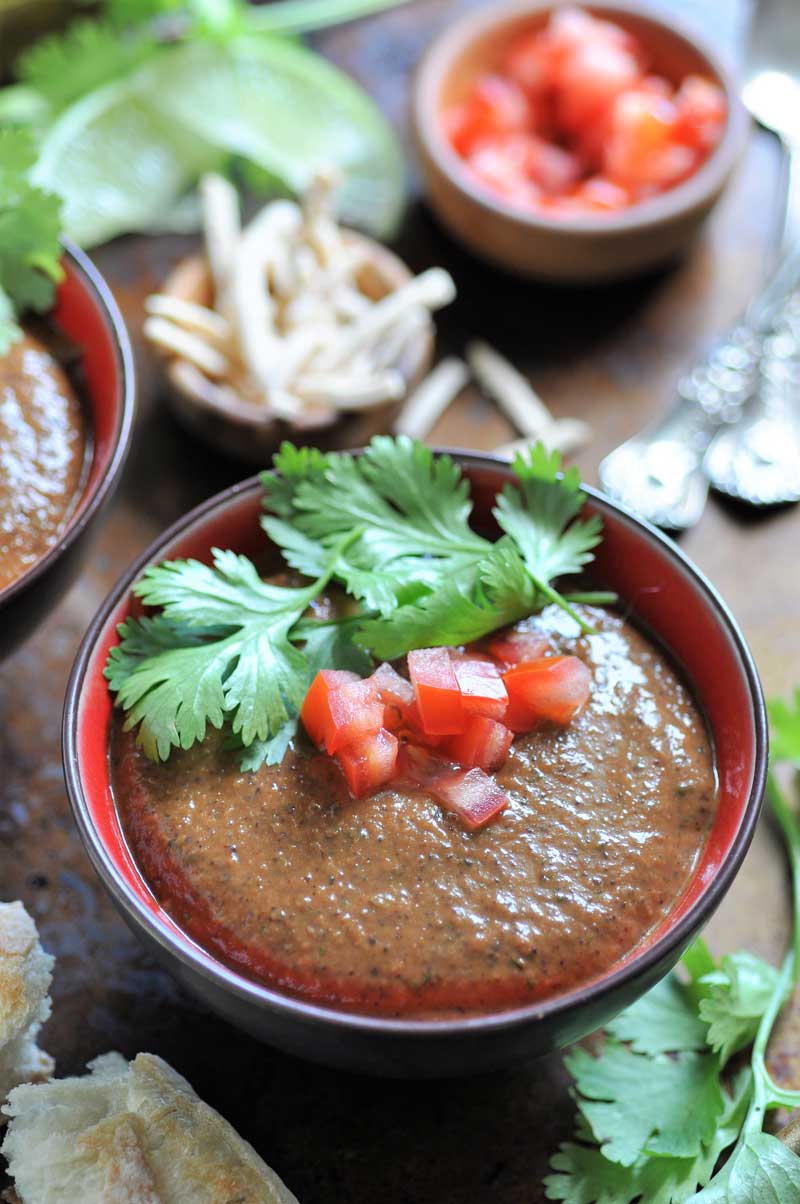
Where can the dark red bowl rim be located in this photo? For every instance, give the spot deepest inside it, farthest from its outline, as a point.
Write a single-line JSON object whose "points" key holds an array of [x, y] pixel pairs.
{"points": [[708, 179], [675, 938], [94, 500]]}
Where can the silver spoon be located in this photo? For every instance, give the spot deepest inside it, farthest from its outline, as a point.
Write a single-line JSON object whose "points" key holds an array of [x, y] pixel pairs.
{"points": [[758, 461], [659, 472]]}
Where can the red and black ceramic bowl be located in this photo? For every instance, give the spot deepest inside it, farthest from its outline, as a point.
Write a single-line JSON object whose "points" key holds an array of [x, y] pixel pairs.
{"points": [[667, 595], [87, 314]]}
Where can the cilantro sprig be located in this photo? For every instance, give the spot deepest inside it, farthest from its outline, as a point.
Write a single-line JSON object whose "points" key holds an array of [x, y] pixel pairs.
{"points": [[30, 225], [659, 1106], [393, 527]]}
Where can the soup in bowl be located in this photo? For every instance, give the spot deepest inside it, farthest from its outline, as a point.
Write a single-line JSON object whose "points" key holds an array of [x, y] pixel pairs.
{"points": [[486, 907]]}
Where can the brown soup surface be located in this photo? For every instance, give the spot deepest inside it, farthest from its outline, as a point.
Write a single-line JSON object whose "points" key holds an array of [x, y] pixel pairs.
{"points": [[389, 905], [42, 454]]}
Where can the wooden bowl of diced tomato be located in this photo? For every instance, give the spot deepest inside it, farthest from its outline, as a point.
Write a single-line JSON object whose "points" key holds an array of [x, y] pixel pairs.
{"points": [[575, 144]]}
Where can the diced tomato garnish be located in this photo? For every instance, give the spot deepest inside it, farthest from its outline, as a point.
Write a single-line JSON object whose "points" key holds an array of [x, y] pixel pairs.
{"points": [[483, 743], [702, 112], [495, 106], [482, 688], [370, 763], [473, 796], [551, 689], [641, 150], [418, 767], [356, 711], [315, 711], [411, 728], [436, 688], [602, 195], [592, 77], [515, 645], [392, 686]]}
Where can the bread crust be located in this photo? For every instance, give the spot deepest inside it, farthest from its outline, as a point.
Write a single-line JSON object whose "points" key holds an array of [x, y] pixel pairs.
{"points": [[130, 1134], [25, 975]]}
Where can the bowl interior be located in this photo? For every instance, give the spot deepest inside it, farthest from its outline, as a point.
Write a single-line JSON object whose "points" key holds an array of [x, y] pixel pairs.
{"points": [[652, 578], [86, 312]]}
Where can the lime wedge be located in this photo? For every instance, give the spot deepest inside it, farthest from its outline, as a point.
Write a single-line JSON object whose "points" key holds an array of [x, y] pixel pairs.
{"points": [[287, 110], [119, 164]]}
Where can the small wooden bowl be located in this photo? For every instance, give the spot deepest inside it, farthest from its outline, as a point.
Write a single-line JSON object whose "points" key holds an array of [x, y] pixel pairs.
{"points": [[240, 428], [569, 249]]}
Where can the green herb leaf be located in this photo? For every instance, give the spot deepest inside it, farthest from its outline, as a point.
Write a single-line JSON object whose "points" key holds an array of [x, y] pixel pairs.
{"points": [[762, 1171], [64, 67], [586, 1177], [656, 1105], [410, 509], [30, 225], [538, 516], [497, 591], [784, 720], [247, 669], [738, 995], [665, 1020]]}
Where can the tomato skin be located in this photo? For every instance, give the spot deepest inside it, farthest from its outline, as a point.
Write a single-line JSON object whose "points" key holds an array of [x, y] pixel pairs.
{"points": [[369, 763], [702, 113], [315, 712], [552, 689], [483, 743], [495, 106], [516, 644], [473, 796], [436, 688], [482, 689], [356, 711]]}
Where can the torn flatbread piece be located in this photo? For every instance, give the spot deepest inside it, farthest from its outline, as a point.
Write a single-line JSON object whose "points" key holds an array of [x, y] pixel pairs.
{"points": [[130, 1133]]}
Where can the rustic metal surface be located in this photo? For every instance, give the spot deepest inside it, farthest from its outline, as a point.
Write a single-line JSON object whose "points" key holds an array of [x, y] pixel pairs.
{"points": [[610, 356]]}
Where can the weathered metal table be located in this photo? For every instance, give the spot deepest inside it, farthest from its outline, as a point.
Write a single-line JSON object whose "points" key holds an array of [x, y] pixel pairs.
{"points": [[609, 356]]}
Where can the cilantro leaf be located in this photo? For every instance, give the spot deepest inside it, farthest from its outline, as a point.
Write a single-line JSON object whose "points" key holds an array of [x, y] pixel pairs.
{"points": [[584, 1176], [243, 666], [656, 1105], [665, 1020], [762, 1171], [784, 721], [539, 514], [63, 67], [497, 591], [738, 995], [30, 224], [410, 509]]}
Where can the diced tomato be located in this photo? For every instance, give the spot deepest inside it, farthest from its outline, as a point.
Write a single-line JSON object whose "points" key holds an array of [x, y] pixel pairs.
{"points": [[396, 693], [419, 767], [437, 693], [529, 65], [552, 689], [641, 151], [591, 79], [602, 195], [411, 728], [356, 711], [702, 112], [483, 743], [315, 711], [502, 173], [369, 763], [482, 688], [473, 796], [495, 106], [516, 644]]}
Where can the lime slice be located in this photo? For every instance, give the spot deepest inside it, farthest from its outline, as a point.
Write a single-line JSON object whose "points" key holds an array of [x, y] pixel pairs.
{"points": [[119, 164], [289, 111]]}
